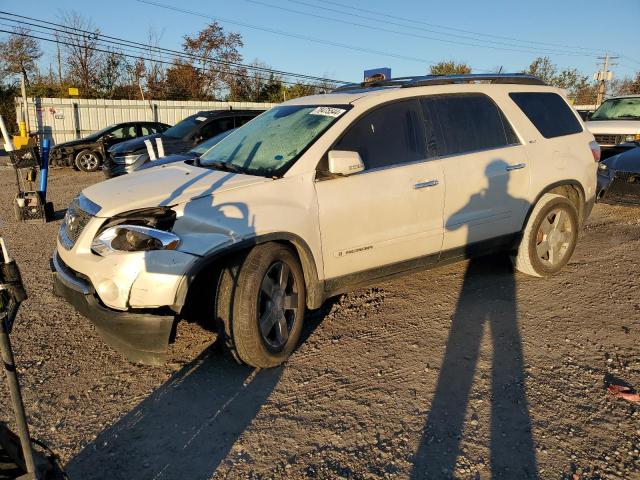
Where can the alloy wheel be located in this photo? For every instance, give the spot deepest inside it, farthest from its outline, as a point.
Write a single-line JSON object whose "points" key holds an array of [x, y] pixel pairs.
{"points": [[554, 237], [89, 161], [277, 305]]}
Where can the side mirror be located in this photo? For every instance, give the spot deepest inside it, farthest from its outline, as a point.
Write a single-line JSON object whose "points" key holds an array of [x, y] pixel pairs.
{"points": [[342, 162]]}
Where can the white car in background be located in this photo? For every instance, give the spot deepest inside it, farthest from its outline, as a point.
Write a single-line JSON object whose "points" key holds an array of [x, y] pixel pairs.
{"points": [[616, 122]]}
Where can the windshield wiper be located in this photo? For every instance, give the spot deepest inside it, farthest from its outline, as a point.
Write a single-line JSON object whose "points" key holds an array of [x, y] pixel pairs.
{"points": [[225, 167]]}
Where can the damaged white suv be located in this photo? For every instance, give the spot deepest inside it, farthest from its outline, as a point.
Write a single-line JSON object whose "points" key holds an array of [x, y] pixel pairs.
{"points": [[322, 194]]}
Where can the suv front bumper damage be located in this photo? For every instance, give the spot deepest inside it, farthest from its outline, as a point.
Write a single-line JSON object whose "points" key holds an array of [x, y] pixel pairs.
{"points": [[140, 337]]}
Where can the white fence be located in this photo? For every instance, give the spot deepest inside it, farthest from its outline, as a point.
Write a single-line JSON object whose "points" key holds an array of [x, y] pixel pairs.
{"points": [[63, 119]]}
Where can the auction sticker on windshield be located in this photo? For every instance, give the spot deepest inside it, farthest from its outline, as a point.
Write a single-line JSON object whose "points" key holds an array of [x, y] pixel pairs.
{"points": [[327, 111]]}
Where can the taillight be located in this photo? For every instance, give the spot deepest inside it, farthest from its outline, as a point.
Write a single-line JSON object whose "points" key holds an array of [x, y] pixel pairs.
{"points": [[595, 150]]}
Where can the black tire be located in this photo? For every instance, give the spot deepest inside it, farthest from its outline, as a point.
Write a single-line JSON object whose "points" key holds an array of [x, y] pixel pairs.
{"points": [[542, 253], [87, 161], [241, 301]]}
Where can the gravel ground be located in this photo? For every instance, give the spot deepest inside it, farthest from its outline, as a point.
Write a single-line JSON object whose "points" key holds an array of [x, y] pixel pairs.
{"points": [[469, 371]]}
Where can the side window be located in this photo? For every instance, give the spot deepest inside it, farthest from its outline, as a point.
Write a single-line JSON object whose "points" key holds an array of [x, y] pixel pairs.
{"points": [[458, 124], [242, 120], [126, 131], [148, 129], [389, 135], [548, 112], [215, 127]]}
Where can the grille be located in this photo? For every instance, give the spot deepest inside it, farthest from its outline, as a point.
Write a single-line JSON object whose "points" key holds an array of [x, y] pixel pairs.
{"points": [[74, 222], [609, 139]]}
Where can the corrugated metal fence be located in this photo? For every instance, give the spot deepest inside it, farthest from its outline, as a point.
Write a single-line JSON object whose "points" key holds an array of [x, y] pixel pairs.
{"points": [[62, 119]]}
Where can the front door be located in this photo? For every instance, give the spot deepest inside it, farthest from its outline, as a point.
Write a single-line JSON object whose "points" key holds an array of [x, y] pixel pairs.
{"points": [[389, 216]]}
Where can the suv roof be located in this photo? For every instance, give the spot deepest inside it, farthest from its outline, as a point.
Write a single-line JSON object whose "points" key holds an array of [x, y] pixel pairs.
{"points": [[425, 80]]}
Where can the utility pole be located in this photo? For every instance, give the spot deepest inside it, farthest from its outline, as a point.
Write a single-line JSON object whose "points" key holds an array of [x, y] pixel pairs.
{"points": [[25, 106], [603, 76], [59, 63]]}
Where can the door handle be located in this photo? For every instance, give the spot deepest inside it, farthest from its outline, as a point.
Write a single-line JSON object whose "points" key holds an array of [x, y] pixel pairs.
{"points": [[517, 166], [430, 183]]}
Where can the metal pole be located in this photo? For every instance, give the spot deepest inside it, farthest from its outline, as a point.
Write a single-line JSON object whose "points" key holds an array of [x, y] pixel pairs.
{"points": [[16, 398], [8, 144], [44, 168]]}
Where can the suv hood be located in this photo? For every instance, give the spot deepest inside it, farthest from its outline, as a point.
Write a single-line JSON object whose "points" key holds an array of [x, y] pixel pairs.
{"points": [[614, 127], [165, 185]]}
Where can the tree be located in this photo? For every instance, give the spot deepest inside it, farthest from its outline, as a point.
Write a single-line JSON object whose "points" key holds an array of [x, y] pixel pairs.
{"points": [[449, 67], [184, 81], [83, 61], [213, 43], [19, 54], [110, 73], [578, 86]]}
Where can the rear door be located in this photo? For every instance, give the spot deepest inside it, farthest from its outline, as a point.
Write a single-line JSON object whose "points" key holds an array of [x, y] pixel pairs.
{"points": [[389, 215], [485, 167]]}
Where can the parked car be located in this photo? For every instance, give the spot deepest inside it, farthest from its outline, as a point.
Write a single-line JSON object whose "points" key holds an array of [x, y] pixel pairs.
{"points": [[192, 154], [615, 123], [126, 157], [88, 153], [619, 178], [322, 194]]}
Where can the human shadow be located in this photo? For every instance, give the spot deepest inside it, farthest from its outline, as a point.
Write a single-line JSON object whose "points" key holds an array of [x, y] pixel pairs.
{"points": [[185, 428], [487, 298]]}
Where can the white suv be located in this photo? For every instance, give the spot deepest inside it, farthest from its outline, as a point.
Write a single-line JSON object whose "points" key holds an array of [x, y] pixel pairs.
{"points": [[322, 194], [616, 121]]}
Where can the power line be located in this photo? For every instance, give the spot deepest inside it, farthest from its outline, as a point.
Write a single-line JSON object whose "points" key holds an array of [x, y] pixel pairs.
{"points": [[287, 34], [494, 46], [66, 30], [136, 57], [445, 27]]}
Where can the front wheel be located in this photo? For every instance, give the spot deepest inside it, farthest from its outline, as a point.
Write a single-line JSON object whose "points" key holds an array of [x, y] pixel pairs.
{"points": [[261, 304], [549, 238], [87, 161]]}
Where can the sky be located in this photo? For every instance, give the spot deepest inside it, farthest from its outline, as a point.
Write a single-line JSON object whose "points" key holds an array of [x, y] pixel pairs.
{"points": [[339, 39]]}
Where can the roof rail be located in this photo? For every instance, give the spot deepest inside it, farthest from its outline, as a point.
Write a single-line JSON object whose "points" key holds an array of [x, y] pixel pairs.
{"points": [[420, 81]]}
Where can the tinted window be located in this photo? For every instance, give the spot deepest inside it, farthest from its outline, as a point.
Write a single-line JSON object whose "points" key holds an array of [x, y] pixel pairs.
{"points": [[388, 135], [457, 124], [243, 119], [548, 112], [215, 127]]}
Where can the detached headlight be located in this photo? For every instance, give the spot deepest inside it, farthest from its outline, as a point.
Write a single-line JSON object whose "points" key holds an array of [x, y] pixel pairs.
{"points": [[133, 238], [602, 167]]}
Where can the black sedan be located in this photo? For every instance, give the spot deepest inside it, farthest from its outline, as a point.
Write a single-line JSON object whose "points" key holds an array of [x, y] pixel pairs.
{"points": [[619, 178], [88, 153], [127, 157]]}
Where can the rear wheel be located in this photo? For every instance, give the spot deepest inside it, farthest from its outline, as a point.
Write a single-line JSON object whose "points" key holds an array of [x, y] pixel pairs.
{"points": [[261, 304], [549, 238], [87, 161]]}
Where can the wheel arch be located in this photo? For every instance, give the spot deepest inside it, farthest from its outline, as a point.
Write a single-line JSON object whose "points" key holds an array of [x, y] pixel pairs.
{"points": [[571, 189], [314, 287]]}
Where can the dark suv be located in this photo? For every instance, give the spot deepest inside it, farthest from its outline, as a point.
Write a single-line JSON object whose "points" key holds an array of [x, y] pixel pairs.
{"points": [[87, 153], [127, 157]]}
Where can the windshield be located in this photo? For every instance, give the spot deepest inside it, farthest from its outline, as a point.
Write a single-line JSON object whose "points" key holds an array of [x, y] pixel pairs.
{"points": [[618, 109], [272, 142], [186, 126], [207, 144]]}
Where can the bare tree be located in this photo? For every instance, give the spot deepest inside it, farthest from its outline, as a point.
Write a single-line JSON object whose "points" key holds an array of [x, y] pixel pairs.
{"points": [[83, 60], [19, 54]]}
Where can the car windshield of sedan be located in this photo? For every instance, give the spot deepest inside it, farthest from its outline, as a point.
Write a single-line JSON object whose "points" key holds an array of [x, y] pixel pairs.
{"points": [[618, 109], [273, 141]]}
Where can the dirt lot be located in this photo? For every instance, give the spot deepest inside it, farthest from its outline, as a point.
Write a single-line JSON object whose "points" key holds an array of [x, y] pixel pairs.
{"points": [[465, 372]]}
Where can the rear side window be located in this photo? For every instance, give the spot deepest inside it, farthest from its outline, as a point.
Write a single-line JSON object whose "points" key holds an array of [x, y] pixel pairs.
{"points": [[548, 112], [457, 124], [389, 135]]}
